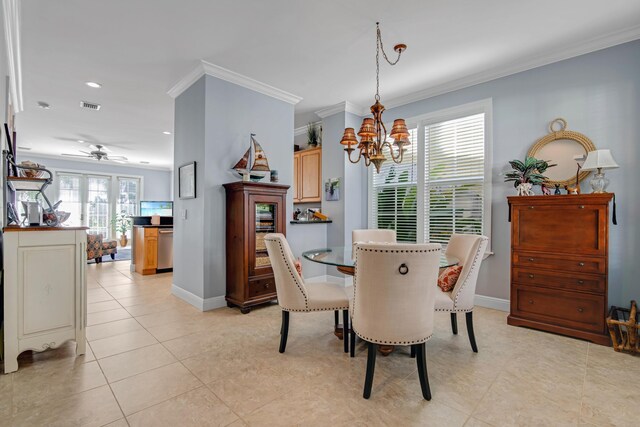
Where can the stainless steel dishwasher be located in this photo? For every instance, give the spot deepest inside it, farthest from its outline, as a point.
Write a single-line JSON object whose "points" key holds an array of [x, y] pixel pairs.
{"points": [[165, 248]]}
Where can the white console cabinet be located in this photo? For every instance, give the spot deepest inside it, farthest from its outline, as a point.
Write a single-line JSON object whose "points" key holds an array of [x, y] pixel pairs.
{"points": [[45, 290]]}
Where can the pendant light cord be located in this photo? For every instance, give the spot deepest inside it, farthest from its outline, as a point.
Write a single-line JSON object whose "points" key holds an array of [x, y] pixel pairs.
{"points": [[379, 47]]}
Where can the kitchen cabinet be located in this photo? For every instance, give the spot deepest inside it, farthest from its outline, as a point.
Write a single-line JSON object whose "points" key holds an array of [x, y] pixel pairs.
{"points": [[307, 176], [146, 253], [45, 290]]}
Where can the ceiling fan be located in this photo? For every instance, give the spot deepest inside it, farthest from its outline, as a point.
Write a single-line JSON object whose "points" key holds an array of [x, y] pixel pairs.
{"points": [[98, 152]]}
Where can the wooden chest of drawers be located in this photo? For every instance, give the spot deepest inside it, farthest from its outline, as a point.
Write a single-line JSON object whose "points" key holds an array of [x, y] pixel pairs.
{"points": [[559, 261]]}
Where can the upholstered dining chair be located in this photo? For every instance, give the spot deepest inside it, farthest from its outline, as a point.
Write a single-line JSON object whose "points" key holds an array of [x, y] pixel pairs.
{"points": [[395, 287], [469, 249], [296, 295]]}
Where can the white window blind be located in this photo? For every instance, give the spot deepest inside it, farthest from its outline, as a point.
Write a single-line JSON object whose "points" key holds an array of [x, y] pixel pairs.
{"points": [[454, 186], [394, 193]]}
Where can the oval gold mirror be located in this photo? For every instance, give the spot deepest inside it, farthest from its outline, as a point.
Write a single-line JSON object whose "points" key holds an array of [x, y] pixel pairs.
{"points": [[562, 147]]}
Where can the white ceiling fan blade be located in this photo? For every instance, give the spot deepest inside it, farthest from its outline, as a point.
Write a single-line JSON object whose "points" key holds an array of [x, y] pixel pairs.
{"points": [[86, 152], [117, 158], [119, 161], [77, 155]]}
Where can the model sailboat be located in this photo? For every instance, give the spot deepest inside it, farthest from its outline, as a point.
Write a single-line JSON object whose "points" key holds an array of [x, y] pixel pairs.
{"points": [[260, 167]]}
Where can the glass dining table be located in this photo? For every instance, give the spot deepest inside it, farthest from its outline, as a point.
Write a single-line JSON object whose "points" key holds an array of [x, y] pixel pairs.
{"points": [[341, 258]]}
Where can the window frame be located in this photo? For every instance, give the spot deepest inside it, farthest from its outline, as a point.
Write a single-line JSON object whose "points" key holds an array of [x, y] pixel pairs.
{"points": [[485, 107]]}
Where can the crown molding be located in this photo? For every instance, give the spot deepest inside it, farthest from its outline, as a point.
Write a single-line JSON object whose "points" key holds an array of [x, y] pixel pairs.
{"points": [[11, 12], [590, 45], [221, 73], [26, 154], [344, 106]]}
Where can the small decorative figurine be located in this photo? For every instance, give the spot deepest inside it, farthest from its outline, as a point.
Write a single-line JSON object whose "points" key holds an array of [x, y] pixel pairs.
{"points": [[576, 189], [557, 192], [545, 190]]}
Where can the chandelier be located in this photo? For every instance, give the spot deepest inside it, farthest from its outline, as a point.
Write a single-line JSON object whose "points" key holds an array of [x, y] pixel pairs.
{"points": [[373, 133]]}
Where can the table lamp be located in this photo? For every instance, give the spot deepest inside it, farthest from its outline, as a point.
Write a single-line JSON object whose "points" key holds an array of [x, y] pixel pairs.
{"points": [[598, 160]]}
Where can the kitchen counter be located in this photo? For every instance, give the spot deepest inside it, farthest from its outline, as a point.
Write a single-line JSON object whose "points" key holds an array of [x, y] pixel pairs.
{"points": [[42, 228], [328, 221], [151, 226]]}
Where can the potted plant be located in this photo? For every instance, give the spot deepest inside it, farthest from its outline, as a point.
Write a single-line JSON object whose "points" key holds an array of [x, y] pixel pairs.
{"points": [[313, 135], [527, 174], [122, 223]]}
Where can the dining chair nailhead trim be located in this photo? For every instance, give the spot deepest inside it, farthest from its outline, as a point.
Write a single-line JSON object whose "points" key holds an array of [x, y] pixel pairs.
{"points": [[474, 264], [306, 301], [375, 341]]}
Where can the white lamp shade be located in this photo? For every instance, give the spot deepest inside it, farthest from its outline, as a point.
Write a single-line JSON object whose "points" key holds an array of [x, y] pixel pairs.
{"points": [[599, 159]]}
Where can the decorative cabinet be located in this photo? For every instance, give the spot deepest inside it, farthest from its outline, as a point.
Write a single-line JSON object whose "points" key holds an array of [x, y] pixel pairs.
{"points": [[146, 252], [307, 176], [559, 264], [45, 298], [253, 211]]}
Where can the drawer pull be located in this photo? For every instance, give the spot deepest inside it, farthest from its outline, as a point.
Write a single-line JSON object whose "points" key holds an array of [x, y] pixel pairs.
{"points": [[531, 207], [530, 301], [531, 276], [580, 309], [531, 260], [581, 264], [581, 207], [580, 282], [266, 285]]}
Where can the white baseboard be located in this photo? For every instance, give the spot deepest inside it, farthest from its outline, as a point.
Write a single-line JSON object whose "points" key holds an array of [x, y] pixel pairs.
{"points": [[491, 302], [199, 303]]}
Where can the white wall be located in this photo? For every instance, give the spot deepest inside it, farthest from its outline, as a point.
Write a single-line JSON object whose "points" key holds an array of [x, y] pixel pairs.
{"points": [[599, 95]]}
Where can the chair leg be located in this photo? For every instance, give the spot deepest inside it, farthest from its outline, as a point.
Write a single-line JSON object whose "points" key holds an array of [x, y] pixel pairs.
{"points": [[371, 367], [352, 341], [454, 323], [336, 315], [472, 337], [345, 329], [284, 330], [413, 351], [422, 370], [113, 256]]}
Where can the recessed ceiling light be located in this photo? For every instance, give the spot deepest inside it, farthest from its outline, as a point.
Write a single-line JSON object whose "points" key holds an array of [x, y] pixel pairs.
{"points": [[94, 85], [43, 105], [144, 163], [22, 147], [166, 132], [81, 141]]}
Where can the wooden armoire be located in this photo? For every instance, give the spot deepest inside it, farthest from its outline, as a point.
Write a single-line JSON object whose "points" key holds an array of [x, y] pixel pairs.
{"points": [[559, 264], [253, 211]]}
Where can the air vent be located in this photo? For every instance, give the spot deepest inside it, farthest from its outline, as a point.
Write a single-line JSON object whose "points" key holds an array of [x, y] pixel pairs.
{"points": [[90, 105]]}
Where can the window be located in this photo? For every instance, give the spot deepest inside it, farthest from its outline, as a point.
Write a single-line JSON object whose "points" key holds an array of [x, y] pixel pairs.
{"points": [[443, 184], [395, 191], [454, 178]]}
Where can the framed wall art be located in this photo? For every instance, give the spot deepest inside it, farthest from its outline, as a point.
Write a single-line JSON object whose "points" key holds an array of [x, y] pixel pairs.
{"points": [[187, 181]]}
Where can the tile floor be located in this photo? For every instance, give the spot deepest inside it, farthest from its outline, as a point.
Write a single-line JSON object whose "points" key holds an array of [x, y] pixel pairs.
{"points": [[154, 360]]}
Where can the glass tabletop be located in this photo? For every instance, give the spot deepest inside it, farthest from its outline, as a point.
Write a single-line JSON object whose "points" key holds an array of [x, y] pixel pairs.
{"points": [[341, 257]]}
